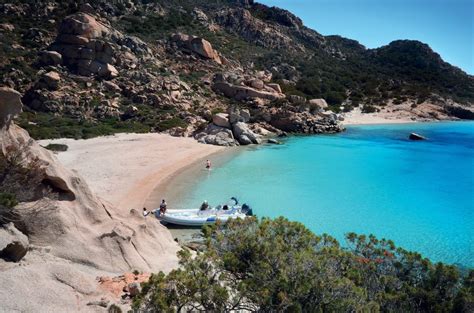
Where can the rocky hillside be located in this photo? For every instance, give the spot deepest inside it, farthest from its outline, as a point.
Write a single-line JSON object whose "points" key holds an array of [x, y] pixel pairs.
{"points": [[101, 67]]}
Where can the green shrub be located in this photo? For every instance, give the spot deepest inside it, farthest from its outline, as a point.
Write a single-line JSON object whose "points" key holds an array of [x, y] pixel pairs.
{"points": [[280, 266], [171, 123], [369, 109], [56, 147], [8, 200], [113, 308]]}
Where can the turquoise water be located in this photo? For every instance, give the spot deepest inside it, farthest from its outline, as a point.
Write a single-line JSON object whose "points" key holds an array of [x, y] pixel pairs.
{"points": [[370, 179]]}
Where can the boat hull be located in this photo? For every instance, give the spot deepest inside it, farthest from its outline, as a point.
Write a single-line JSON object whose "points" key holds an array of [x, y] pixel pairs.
{"points": [[196, 218]]}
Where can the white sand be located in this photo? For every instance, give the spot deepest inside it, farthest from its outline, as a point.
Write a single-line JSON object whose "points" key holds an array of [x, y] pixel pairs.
{"points": [[356, 117], [125, 168]]}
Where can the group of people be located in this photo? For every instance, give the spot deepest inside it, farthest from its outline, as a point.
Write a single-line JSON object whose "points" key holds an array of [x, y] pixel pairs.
{"points": [[162, 210], [157, 212]]}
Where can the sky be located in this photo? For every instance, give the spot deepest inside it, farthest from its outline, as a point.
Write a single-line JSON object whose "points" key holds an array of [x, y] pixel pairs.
{"points": [[447, 26]]}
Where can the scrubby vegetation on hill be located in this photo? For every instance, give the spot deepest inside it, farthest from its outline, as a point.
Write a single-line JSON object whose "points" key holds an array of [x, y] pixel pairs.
{"points": [[249, 38], [280, 266]]}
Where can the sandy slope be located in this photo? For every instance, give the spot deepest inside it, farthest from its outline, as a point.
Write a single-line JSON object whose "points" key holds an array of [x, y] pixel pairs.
{"points": [[125, 168]]}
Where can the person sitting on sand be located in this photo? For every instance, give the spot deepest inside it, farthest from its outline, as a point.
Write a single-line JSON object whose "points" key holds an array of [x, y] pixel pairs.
{"points": [[204, 206], [145, 212], [163, 207], [208, 164]]}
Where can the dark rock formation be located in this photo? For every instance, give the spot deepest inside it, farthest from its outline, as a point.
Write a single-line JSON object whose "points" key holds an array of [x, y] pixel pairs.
{"points": [[13, 243], [415, 136], [460, 112]]}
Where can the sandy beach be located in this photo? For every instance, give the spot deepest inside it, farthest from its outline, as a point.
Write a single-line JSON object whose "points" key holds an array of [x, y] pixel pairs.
{"points": [[356, 117], [125, 169]]}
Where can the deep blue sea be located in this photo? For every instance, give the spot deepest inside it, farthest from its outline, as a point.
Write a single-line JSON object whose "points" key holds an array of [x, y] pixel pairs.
{"points": [[369, 179]]}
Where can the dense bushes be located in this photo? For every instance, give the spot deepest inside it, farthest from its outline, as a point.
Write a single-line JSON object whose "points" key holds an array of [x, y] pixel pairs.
{"points": [[280, 266]]}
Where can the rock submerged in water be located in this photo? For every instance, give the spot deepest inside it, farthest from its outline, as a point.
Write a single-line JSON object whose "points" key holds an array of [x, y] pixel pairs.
{"points": [[415, 136], [274, 141]]}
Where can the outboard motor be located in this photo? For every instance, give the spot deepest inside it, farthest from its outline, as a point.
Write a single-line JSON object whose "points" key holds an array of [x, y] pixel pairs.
{"points": [[247, 210], [235, 200]]}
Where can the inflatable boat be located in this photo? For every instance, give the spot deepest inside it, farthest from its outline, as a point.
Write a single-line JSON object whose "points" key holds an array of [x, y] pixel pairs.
{"points": [[197, 217]]}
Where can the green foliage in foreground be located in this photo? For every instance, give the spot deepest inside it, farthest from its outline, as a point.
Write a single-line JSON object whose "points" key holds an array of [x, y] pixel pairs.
{"points": [[280, 266]]}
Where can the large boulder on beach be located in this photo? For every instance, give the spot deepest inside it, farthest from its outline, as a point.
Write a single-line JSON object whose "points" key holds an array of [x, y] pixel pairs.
{"points": [[244, 134], [216, 135], [221, 119]]}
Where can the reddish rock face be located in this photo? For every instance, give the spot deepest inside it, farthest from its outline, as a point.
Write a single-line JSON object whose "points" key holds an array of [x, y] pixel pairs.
{"points": [[203, 48], [82, 24], [120, 284], [197, 45]]}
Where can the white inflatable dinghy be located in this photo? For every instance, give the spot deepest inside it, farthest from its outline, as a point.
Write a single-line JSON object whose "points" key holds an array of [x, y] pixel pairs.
{"points": [[197, 217]]}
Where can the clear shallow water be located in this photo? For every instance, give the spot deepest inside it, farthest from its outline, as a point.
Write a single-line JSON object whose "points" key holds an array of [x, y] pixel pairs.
{"points": [[370, 179]]}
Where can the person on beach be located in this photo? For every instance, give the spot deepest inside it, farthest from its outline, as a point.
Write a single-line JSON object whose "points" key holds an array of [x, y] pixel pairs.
{"points": [[145, 212], [163, 207], [204, 206], [208, 164]]}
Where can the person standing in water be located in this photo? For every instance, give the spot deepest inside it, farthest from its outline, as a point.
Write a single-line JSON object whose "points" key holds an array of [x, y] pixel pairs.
{"points": [[208, 164]]}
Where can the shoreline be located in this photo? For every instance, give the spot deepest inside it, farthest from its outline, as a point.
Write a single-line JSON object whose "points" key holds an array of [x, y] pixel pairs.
{"points": [[183, 180], [176, 178], [358, 118], [125, 169]]}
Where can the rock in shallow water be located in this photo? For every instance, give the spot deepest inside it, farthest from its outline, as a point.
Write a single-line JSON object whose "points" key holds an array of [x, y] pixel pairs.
{"points": [[415, 136]]}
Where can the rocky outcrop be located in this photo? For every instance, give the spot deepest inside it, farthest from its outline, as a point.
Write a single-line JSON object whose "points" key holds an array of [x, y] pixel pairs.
{"points": [[216, 135], [90, 47], [49, 80], [244, 134], [10, 106], [76, 224], [460, 112], [290, 120], [124, 285], [321, 103], [81, 43], [229, 130], [197, 45], [240, 21], [7, 27], [221, 120], [240, 89], [50, 58], [13, 243], [243, 92]]}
